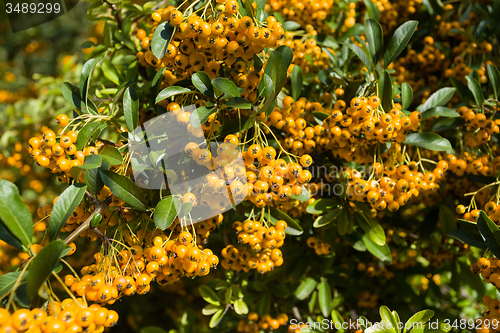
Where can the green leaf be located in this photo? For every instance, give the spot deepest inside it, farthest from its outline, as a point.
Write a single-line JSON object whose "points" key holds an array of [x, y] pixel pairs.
{"points": [[276, 69], [494, 76], [419, 317], [383, 253], [239, 103], [87, 134], [361, 54], [209, 295], [406, 95], [240, 307], [399, 41], [8, 281], [202, 82], [14, 213], [112, 155], [490, 233], [374, 37], [385, 91], [468, 237], [293, 228], [93, 180], [372, 228], [372, 10], [64, 207], [161, 38], [297, 82], [440, 111], [305, 288], [447, 219], [431, 141], [337, 320], [165, 213], [343, 221], [355, 30], [169, 92], [330, 216], [43, 264], [90, 162], [322, 205], [124, 188], [110, 72], [226, 86], [72, 95], [290, 25], [201, 115], [131, 108], [388, 319], [8, 237], [216, 318], [475, 88], [87, 69], [324, 296], [439, 98]]}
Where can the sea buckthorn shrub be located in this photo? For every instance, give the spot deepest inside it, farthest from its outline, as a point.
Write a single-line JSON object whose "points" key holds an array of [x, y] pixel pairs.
{"points": [[254, 166]]}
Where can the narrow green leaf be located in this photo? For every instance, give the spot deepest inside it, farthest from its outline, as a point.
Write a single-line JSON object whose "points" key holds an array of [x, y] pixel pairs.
{"points": [[431, 141], [290, 26], [343, 221], [165, 213], [383, 253], [87, 69], [209, 295], [124, 188], [387, 318], [239, 103], [110, 71], [305, 289], [406, 95], [202, 82], [169, 92], [372, 10], [111, 155], [161, 38], [8, 237], [64, 207], [322, 205], [469, 238], [494, 76], [72, 95], [372, 228], [361, 54], [399, 41], [324, 296], [419, 318], [216, 318], [90, 162], [385, 91], [490, 233], [475, 88], [374, 37], [131, 108], [43, 264], [201, 115], [330, 216], [87, 134], [14, 213], [440, 111], [93, 180], [438, 98], [8, 281], [297, 82], [226, 86]]}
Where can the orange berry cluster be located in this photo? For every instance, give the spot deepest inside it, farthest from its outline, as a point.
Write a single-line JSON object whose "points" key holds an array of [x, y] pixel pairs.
{"points": [[394, 190], [65, 316], [479, 128], [313, 15], [490, 272], [204, 44], [261, 250], [132, 270], [320, 247], [252, 324]]}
